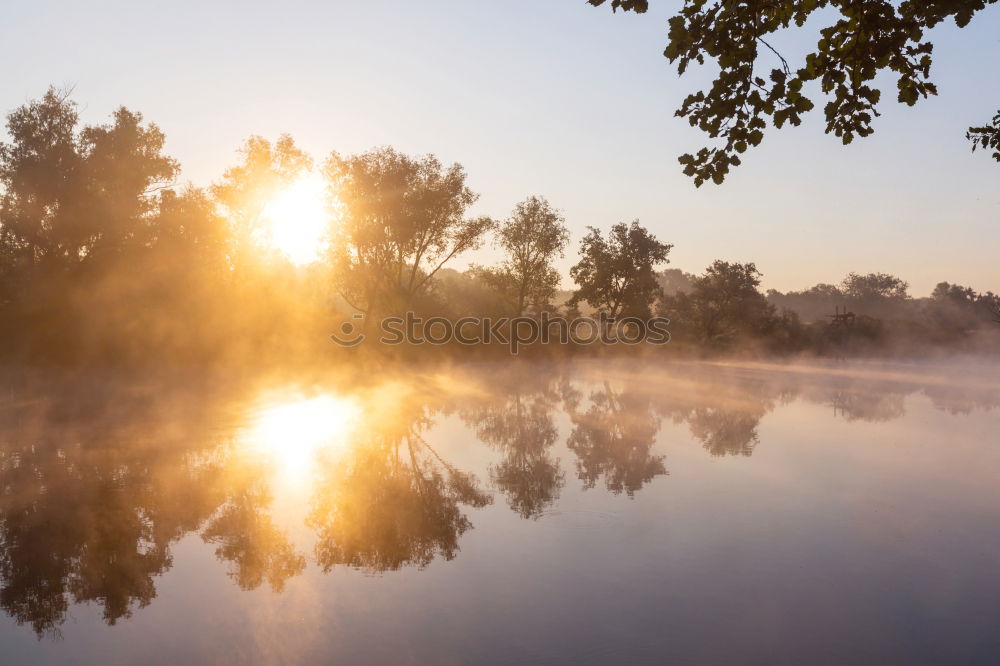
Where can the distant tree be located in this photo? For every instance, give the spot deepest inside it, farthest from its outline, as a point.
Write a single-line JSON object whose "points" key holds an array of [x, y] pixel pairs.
{"points": [[401, 219], [673, 280], [953, 306], [459, 294], [724, 303], [861, 40], [812, 304], [246, 189], [874, 286], [945, 291], [532, 237], [617, 274]]}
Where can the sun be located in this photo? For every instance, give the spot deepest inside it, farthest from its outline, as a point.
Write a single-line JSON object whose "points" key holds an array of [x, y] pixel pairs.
{"points": [[297, 218]]}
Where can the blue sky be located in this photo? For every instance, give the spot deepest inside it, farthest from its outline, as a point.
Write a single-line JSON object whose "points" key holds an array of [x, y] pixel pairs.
{"points": [[548, 97]]}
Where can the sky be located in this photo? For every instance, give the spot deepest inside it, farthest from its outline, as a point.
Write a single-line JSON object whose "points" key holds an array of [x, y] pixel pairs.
{"points": [[548, 97]]}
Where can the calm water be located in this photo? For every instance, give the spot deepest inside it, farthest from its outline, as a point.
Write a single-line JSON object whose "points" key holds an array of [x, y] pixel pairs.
{"points": [[592, 512]]}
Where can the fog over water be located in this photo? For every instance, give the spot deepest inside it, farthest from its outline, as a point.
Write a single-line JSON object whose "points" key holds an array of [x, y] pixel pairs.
{"points": [[583, 511]]}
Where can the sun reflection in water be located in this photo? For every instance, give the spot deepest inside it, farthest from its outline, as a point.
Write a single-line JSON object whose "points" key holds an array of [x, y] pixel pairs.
{"points": [[292, 434]]}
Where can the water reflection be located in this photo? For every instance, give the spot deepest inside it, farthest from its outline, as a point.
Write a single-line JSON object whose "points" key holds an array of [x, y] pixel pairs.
{"points": [[393, 501], [245, 536], [292, 431], [517, 420], [92, 501], [98, 484], [613, 437]]}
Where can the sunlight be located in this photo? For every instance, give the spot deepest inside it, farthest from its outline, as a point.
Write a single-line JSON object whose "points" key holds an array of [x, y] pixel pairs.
{"points": [[297, 219], [292, 434]]}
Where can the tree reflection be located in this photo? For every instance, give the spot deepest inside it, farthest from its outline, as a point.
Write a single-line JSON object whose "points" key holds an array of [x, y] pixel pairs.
{"points": [[612, 440], [92, 500], [725, 432], [519, 424], [868, 406], [84, 521], [392, 501], [245, 536], [97, 484]]}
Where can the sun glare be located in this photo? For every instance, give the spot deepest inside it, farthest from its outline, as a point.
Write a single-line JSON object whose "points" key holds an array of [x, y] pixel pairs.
{"points": [[292, 434], [297, 219]]}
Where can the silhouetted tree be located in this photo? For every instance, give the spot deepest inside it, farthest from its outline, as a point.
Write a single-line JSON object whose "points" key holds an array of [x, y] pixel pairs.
{"points": [[876, 294], [861, 40], [617, 274], [874, 286], [74, 196], [723, 304], [401, 219], [531, 237]]}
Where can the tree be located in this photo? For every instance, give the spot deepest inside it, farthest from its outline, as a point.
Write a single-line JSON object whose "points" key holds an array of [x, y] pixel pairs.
{"points": [[401, 219], [957, 307], [861, 40], [247, 188], [532, 237], [187, 228], [723, 303], [673, 280], [617, 274], [38, 179], [812, 304], [125, 169], [874, 286], [71, 196]]}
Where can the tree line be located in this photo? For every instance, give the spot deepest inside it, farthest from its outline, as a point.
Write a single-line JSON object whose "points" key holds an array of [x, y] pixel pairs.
{"points": [[105, 257]]}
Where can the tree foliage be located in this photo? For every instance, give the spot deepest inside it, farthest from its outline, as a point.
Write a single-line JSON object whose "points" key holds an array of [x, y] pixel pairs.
{"points": [[531, 237], [617, 274], [860, 40], [987, 137], [401, 219], [724, 303], [70, 194], [874, 286]]}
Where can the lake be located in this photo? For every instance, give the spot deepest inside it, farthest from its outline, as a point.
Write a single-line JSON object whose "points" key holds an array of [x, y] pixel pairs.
{"points": [[576, 512]]}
